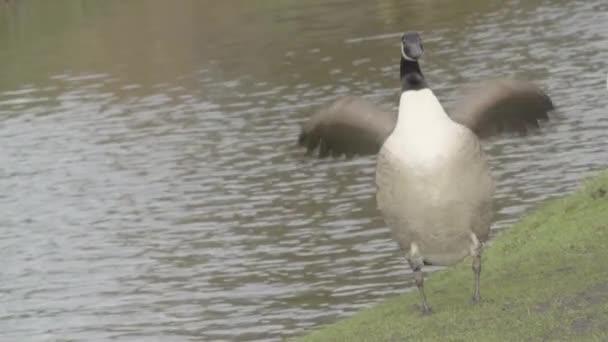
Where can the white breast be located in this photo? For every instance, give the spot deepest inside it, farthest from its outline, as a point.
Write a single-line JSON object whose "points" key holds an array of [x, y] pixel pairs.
{"points": [[432, 180], [424, 134]]}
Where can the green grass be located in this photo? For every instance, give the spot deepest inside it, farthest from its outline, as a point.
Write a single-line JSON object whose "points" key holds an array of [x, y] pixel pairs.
{"points": [[545, 278]]}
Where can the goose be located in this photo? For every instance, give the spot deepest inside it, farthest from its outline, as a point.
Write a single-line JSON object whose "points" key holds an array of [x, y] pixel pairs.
{"points": [[434, 189]]}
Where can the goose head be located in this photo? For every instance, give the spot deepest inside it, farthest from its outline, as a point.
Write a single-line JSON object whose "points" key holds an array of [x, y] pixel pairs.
{"points": [[411, 46], [411, 51]]}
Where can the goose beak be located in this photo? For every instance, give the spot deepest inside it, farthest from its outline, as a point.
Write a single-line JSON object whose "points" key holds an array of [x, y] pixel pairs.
{"points": [[411, 52]]}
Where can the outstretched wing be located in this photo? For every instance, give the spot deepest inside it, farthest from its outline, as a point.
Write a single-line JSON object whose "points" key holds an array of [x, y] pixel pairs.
{"points": [[503, 106], [350, 126], [356, 126]]}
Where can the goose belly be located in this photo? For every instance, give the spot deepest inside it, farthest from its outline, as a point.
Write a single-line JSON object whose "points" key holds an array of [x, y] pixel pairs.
{"points": [[436, 199]]}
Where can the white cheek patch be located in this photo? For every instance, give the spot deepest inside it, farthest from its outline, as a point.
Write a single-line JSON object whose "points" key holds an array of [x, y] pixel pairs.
{"points": [[406, 57]]}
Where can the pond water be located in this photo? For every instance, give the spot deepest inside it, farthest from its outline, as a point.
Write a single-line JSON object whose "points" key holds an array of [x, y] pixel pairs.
{"points": [[151, 189]]}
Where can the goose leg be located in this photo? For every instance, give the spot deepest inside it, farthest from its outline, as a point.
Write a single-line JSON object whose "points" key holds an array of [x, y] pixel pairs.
{"points": [[416, 262], [476, 249]]}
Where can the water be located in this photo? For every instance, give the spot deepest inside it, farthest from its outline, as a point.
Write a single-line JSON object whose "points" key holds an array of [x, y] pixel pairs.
{"points": [[151, 187]]}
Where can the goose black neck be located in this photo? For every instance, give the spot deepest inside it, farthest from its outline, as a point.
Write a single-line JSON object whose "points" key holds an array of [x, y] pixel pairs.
{"points": [[411, 76]]}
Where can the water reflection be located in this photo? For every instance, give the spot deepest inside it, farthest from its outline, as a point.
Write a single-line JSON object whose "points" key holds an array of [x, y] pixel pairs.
{"points": [[151, 186]]}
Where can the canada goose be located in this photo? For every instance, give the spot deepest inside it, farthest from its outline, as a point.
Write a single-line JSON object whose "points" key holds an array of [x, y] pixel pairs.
{"points": [[434, 188]]}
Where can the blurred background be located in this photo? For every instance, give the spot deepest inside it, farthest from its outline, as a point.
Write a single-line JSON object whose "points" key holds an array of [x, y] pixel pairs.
{"points": [[150, 186]]}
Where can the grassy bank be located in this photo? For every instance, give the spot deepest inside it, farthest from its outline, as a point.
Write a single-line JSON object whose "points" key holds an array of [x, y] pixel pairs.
{"points": [[546, 278]]}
